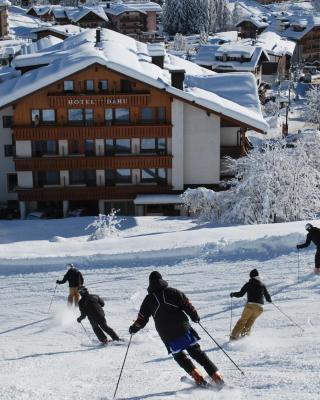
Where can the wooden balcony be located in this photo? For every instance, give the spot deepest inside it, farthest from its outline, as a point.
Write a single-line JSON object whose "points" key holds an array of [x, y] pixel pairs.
{"points": [[81, 163], [94, 100], [56, 132], [89, 193]]}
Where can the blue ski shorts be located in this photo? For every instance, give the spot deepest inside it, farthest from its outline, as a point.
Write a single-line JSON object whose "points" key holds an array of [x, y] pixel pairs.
{"points": [[190, 338]]}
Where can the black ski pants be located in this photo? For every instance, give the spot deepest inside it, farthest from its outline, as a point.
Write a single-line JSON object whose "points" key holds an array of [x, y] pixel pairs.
{"points": [[198, 355], [99, 325]]}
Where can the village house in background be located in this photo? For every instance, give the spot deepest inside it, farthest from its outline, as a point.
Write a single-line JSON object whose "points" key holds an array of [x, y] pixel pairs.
{"points": [[103, 121], [4, 26]]}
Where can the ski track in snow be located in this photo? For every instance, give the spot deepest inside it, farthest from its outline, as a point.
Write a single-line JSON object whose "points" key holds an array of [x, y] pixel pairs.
{"points": [[48, 355]]}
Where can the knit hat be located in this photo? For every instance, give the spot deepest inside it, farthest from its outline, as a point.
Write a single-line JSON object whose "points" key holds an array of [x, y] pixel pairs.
{"points": [[254, 273], [156, 282], [83, 291], [308, 227]]}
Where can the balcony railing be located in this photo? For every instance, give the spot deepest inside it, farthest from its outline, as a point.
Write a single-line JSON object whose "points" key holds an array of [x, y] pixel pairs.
{"points": [[68, 132], [98, 162], [89, 193]]}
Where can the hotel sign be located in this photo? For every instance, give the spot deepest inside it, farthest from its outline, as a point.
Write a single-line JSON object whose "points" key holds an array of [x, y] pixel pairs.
{"points": [[116, 101], [98, 100]]}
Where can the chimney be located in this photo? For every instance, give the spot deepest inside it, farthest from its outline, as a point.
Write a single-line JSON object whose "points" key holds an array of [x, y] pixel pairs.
{"points": [[98, 36], [157, 53], [177, 78]]}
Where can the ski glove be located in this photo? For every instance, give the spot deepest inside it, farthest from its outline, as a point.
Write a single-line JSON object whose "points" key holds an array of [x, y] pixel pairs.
{"points": [[58, 282], [79, 319], [196, 319], [133, 329], [231, 294], [299, 246]]}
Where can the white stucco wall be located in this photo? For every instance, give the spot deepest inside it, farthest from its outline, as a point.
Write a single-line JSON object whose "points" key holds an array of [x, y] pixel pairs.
{"points": [[64, 178], [23, 148], [6, 163], [201, 144], [177, 144], [100, 176], [229, 136], [99, 147], [25, 179]]}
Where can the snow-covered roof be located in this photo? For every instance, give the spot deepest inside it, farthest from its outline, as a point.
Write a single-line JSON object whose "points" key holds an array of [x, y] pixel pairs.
{"points": [[76, 14], [245, 58], [131, 58], [274, 44], [120, 8], [286, 24], [66, 30], [59, 12], [41, 10], [40, 45], [5, 3], [255, 20], [142, 199]]}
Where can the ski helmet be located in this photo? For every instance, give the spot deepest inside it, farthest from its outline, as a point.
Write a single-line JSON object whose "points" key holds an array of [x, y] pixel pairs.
{"points": [[308, 227], [70, 265]]}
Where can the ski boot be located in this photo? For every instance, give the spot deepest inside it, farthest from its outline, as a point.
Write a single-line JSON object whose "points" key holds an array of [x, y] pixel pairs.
{"points": [[217, 379], [198, 377], [104, 342]]}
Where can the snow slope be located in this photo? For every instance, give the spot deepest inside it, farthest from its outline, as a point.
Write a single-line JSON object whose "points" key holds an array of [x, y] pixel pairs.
{"points": [[48, 355]]}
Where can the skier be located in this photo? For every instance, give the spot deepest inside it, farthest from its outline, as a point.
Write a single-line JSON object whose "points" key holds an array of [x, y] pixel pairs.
{"points": [[168, 307], [313, 236], [90, 306], [75, 279], [256, 291]]}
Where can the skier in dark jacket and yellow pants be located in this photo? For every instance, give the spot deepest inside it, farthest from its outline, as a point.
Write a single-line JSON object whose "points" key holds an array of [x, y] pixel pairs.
{"points": [[256, 291], [170, 309]]}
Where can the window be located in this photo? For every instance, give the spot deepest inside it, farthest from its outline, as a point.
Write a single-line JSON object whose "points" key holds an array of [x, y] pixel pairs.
{"points": [[75, 115], [48, 115], [122, 114], [88, 116], [82, 177], [12, 182], [154, 175], [126, 86], [89, 85], [43, 178], [45, 116], [161, 114], [108, 116], [7, 121], [146, 114], [118, 176], [8, 150], [103, 85], [153, 146], [89, 147], [118, 146], [68, 86], [74, 147], [44, 147]]}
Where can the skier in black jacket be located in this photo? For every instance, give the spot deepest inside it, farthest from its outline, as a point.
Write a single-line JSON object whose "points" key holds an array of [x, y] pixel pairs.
{"points": [[313, 236], [169, 308], [75, 279], [256, 291], [90, 306]]}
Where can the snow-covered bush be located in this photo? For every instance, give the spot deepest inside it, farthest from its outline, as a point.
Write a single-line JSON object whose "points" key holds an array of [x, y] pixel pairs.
{"points": [[180, 42], [312, 105], [105, 225], [271, 108], [275, 183]]}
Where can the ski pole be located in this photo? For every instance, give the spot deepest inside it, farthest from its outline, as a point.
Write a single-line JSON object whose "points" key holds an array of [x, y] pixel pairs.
{"points": [[221, 349], [86, 332], [54, 292], [125, 357], [289, 318], [298, 265], [230, 314]]}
